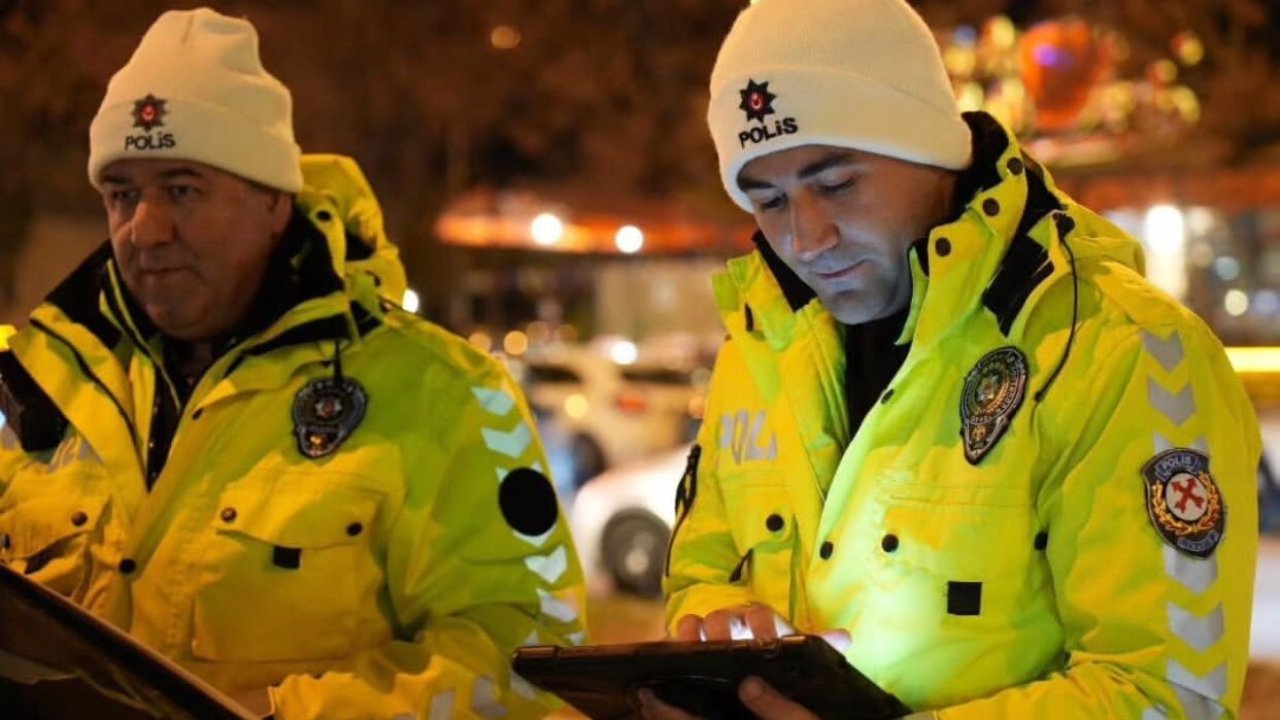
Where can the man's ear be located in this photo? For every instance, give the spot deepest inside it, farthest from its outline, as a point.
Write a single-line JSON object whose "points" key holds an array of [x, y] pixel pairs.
{"points": [[280, 209]]}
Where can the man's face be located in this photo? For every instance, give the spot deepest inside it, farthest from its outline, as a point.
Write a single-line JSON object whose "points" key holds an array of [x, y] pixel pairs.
{"points": [[192, 242], [843, 219]]}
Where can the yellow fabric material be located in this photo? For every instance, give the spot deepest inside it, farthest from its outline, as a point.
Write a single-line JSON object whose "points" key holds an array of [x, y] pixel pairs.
{"points": [[1107, 620], [411, 590]]}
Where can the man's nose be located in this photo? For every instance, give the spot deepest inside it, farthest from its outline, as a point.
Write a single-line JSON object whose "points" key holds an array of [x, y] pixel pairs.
{"points": [[152, 224], [812, 232]]}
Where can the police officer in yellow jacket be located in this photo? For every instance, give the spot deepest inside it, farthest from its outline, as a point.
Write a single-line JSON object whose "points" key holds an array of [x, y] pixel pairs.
{"points": [[225, 437], [952, 420]]}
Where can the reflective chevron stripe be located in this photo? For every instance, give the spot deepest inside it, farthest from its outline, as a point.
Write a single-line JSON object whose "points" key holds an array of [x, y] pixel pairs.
{"points": [[1196, 706], [1178, 408], [484, 699], [1192, 573], [534, 540], [1162, 444], [1200, 633], [1213, 685], [495, 402], [1200, 697], [521, 687], [442, 706], [577, 638], [556, 608], [1167, 352], [549, 567], [512, 443]]}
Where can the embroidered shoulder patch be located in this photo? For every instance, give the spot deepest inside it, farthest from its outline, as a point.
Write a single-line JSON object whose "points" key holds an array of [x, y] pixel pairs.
{"points": [[1184, 502], [993, 392]]}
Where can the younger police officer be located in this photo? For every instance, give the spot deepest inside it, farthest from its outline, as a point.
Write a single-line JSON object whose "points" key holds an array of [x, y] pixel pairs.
{"points": [[224, 439], [952, 418]]}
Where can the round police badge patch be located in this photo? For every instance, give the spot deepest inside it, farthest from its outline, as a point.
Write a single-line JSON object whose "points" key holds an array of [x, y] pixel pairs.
{"points": [[993, 392], [325, 412], [1184, 502]]}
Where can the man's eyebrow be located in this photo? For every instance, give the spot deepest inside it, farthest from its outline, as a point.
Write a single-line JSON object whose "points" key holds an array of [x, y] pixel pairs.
{"points": [[114, 180], [817, 167], [180, 173], [835, 159]]}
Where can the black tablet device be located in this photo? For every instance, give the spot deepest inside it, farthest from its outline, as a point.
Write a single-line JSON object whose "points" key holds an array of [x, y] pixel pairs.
{"points": [[601, 681], [49, 647]]}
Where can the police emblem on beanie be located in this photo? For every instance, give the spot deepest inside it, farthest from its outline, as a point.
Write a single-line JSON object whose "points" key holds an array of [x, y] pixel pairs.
{"points": [[757, 101], [1183, 501], [149, 113]]}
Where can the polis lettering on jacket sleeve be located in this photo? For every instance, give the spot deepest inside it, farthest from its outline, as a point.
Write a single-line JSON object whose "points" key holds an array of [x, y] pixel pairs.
{"points": [[760, 133], [150, 141]]}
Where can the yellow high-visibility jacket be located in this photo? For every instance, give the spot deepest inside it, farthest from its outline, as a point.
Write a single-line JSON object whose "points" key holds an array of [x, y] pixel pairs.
{"points": [[995, 534], [388, 574]]}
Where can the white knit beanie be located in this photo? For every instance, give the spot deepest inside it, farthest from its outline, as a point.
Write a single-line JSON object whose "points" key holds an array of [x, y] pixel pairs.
{"points": [[862, 74], [195, 89]]}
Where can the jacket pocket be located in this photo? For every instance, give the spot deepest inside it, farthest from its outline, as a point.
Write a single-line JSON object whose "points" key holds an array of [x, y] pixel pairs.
{"points": [[961, 555], [763, 528], [289, 572], [47, 537]]}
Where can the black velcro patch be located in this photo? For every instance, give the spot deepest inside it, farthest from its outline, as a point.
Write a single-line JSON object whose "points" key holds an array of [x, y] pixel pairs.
{"points": [[528, 502], [964, 598], [286, 557]]}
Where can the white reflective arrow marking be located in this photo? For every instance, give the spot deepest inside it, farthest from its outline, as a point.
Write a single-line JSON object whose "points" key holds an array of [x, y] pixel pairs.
{"points": [[549, 567], [535, 540], [1212, 686], [1195, 706], [1178, 408], [556, 608], [1154, 714], [1162, 443], [484, 699], [1200, 633], [495, 402], [512, 444], [442, 706], [577, 638], [533, 638], [1167, 352], [502, 473], [1196, 574], [521, 687]]}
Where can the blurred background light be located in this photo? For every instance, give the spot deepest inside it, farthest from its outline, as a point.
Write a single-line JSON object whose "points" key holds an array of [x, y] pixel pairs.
{"points": [[630, 239], [547, 229]]}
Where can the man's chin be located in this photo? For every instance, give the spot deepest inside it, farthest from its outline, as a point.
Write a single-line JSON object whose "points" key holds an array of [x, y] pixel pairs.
{"points": [[175, 324]]}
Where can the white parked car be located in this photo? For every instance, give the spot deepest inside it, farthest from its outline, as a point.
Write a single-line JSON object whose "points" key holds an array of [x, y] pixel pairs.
{"points": [[610, 413], [621, 521]]}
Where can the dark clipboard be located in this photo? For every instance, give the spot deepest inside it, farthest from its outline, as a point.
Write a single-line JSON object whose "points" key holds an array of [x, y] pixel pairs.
{"points": [[45, 638]]}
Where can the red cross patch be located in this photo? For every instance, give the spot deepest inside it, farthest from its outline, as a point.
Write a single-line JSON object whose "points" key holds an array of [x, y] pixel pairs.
{"points": [[1184, 502]]}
